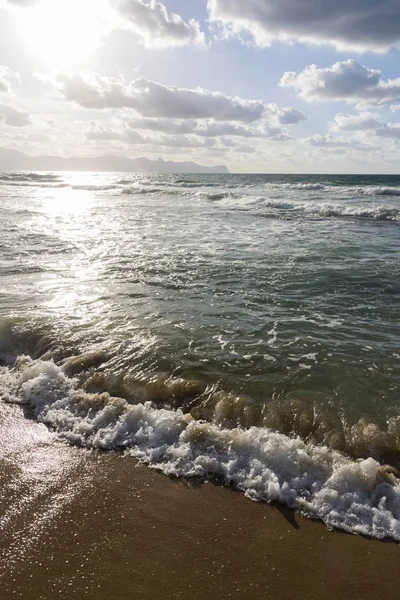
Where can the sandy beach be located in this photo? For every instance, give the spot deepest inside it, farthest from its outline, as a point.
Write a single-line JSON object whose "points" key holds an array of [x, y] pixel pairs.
{"points": [[81, 524]]}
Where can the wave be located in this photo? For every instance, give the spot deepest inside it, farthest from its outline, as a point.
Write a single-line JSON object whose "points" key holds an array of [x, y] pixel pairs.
{"points": [[24, 176], [39, 184], [338, 189], [329, 210], [356, 496], [95, 188], [284, 208], [311, 416], [142, 191]]}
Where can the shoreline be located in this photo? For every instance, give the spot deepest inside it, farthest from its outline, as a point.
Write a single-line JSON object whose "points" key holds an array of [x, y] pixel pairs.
{"points": [[79, 523]]}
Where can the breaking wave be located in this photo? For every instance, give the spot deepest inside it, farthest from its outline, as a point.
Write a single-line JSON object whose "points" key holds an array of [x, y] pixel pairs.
{"points": [[356, 496], [339, 190], [285, 208], [29, 177]]}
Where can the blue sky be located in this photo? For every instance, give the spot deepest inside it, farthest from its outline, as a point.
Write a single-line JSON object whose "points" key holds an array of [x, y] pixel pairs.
{"points": [[214, 81]]}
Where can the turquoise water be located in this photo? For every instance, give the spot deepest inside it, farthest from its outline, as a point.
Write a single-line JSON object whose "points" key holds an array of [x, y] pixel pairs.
{"points": [[266, 302]]}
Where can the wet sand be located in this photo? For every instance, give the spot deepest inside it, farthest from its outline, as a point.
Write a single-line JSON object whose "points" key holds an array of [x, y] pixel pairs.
{"points": [[80, 524]]}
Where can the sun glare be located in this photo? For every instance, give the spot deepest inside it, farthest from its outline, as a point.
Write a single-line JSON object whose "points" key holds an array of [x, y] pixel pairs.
{"points": [[63, 32]]}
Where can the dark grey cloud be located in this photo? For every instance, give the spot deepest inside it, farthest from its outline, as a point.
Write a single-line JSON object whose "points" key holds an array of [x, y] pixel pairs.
{"points": [[157, 26], [347, 24], [347, 81], [14, 116]]}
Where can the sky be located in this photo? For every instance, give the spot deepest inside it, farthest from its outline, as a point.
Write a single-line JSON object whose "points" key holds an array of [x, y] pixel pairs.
{"points": [[262, 86]]}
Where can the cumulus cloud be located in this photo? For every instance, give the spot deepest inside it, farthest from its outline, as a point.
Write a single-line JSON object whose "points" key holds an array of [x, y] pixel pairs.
{"points": [[347, 24], [14, 116], [206, 128], [188, 134], [186, 141], [244, 149], [171, 126], [152, 99], [347, 81], [156, 26], [210, 129], [173, 110], [361, 122], [286, 116], [282, 137], [365, 122], [391, 131], [330, 141], [105, 134], [7, 79]]}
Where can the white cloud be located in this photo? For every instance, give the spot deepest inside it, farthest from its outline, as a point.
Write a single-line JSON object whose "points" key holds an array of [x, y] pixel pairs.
{"points": [[245, 149], [286, 116], [7, 79], [148, 19], [347, 24], [364, 122], [330, 141], [347, 81], [172, 126], [361, 122], [156, 26], [282, 137], [186, 141], [152, 99], [391, 131], [104, 134], [209, 128], [173, 110], [23, 3], [14, 116]]}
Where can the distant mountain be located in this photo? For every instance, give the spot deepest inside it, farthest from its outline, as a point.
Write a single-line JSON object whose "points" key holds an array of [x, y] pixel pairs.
{"points": [[12, 160]]}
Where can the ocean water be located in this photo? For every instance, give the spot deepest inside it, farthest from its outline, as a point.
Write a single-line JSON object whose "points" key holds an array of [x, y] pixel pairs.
{"points": [[243, 328]]}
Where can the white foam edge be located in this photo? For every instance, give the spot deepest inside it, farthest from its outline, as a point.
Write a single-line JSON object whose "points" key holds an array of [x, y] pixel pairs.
{"points": [[265, 465]]}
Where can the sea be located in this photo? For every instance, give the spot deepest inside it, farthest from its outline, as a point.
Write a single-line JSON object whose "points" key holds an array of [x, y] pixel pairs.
{"points": [[241, 329]]}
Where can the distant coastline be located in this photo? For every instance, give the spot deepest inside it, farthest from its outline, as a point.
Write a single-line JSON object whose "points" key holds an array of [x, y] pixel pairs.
{"points": [[13, 160]]}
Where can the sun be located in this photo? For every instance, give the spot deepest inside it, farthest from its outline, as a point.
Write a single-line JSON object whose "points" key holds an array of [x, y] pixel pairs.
{"points": [[63, 33]]}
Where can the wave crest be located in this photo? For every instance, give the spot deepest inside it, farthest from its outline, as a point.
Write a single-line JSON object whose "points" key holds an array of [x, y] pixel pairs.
{"points": [[357, 496]]}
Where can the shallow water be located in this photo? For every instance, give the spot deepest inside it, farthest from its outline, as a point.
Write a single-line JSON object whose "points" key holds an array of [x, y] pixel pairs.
{"points": [[227, 315]]}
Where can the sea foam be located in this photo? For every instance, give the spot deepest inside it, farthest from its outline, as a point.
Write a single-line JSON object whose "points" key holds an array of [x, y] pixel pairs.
{"points": [[357, 496]]}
